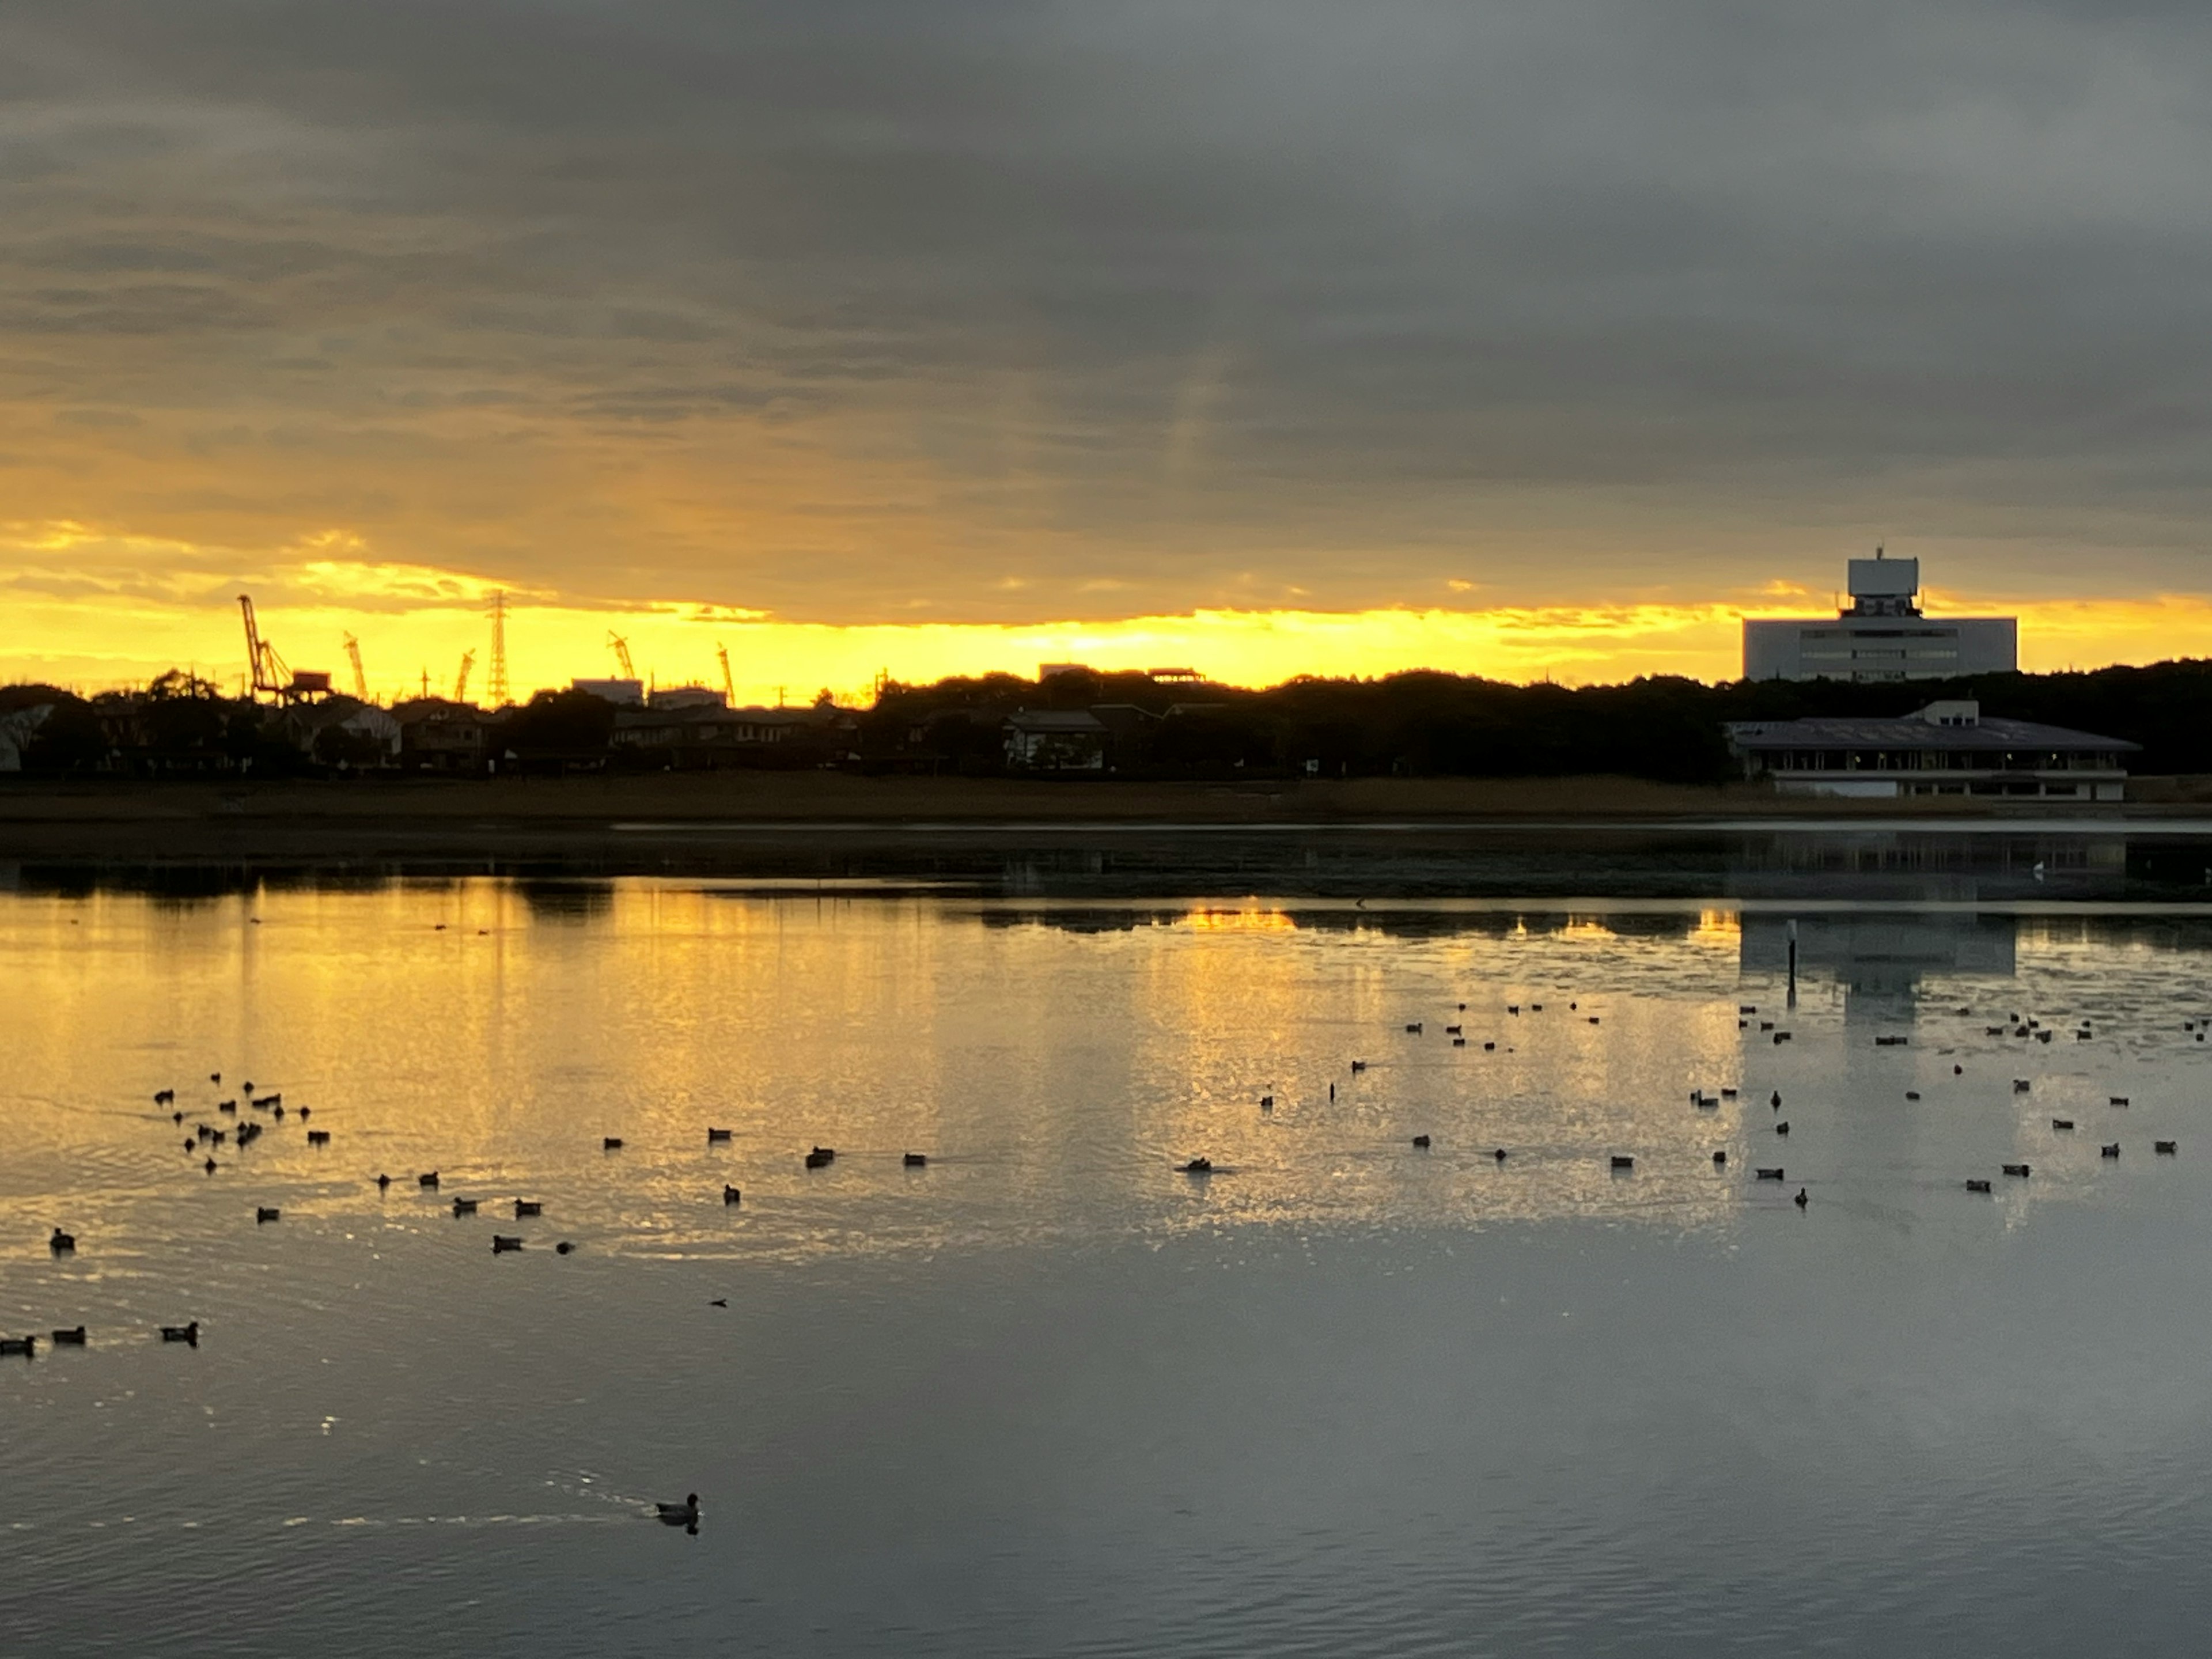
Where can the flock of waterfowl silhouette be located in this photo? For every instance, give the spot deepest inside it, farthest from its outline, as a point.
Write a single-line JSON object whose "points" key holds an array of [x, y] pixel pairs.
{"points": [[222, 1126]]}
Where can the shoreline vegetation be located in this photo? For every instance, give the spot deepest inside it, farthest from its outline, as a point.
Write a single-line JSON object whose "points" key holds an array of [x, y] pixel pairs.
{"points": [[624, 815]]}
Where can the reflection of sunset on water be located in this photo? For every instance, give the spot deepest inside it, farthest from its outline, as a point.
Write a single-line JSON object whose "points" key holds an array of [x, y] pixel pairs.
{"points": [[1053, 1062]]}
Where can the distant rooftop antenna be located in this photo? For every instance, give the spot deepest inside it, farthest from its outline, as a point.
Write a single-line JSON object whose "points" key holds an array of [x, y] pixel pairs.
{"points": [[496, 692]]}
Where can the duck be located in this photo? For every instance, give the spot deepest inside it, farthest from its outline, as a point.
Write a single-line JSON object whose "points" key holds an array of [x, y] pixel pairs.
{"points": [[914, 1160], [465, 1206], [1421, 1141], [189, 1334], [2112, 1150], [265, 1213], [502, 1243], [1358, 1065], [1720, 1157], [211, 1166], [72, 1338], [1775, 1100], [2061, 1122], [2164, 1148], [306, 1112], [2021, 1169], [230, 1106], [1196, 1166], [1413, 1028], [611, 1143], [2120, 1100], [719, 1302], [526, 1207], [177, 1118], [685, 1514], [26, 1345], [382, 1181], [1266, 1102], [713, 1135], [62, 1244], [1782, 1127], [730, 1194], [1766, 1175], [319, 1137], [1977, 1186], [165, 1096], [1800, 1201], [1622, 1160], [563, 1247], [821, 1157], [1912, 1094], [429, 1180], [214, 1077]]}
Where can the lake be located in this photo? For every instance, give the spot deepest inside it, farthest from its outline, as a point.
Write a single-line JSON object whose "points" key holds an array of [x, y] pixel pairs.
{"points": [[1046, 1395]]}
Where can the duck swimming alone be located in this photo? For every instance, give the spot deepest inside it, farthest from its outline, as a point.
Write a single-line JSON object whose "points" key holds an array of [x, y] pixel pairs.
{"points": [[61, 1243], [685, 1514], [188, 1335]]}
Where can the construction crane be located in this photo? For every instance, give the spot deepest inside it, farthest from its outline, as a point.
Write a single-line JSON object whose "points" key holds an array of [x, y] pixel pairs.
{"points": [[359, 679], [269, 674], [461, 680], [622, 654], [729, 687]]}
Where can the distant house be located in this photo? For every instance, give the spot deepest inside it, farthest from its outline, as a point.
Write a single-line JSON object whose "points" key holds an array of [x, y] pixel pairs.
{"points": [[341, 731], [437, 735], [1945, 749], [696, 732], [18, 731], [1055, 740]]}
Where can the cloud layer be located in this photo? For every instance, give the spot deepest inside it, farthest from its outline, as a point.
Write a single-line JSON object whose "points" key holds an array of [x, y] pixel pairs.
{"points": [[881, 310]]}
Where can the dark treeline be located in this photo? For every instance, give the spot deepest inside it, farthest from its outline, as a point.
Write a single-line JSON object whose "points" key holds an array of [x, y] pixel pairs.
{"points": [[1124, 726], [1667, 729]]}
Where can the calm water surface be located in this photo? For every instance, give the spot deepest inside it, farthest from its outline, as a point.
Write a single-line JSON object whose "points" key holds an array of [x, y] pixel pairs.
{"points": [[1046, 1395]]}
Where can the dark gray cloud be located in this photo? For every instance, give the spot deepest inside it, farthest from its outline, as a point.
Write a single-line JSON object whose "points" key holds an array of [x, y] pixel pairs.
{"points": [[846, 308]]}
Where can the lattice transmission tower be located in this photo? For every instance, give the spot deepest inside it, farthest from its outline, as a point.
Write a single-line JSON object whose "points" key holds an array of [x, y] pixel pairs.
{"points": [[495, 692]]}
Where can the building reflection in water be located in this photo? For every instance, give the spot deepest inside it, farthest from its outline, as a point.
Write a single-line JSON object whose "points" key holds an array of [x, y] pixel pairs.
{"points": [[1881, 959]]}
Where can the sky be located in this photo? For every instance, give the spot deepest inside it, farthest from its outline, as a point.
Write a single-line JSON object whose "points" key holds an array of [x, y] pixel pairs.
{"points": [[1263, 337]]}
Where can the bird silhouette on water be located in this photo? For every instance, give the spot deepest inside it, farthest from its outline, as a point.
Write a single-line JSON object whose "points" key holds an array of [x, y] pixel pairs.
{"points": [[684, 1515]]}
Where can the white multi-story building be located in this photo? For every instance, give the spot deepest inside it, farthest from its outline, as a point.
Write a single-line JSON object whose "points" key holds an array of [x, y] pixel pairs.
{"points": [[1882, 635]]}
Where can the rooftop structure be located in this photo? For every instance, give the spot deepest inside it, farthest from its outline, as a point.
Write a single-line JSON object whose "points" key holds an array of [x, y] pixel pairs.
{"points": [[624, 694], [1881, 636], [1945, 749]]}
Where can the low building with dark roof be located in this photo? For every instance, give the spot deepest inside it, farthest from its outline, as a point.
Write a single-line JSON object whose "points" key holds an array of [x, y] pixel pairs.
{"points": [[1945, 749]]}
